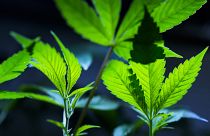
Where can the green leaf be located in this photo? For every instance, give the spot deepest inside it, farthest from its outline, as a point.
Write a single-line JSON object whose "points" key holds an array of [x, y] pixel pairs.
{"points": [[98, 103], [145, 44], [123, 50], [14, 66], [78, 93], [53, 94], [152, 4], [56, 123], [7, 95], [178, 114], [151, 78], [82, 90], [73, 67], [128, 29], [116, 78], [80, 131], [127, 129], [172, 12], [131, 22], [168, 53], [180, 80], [24, 41], [142, 116], [50, 62], [109, 13], [160, 121], [84, 20]]}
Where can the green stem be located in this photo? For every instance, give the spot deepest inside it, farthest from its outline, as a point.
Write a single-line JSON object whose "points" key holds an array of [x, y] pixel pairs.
{"points": [[150, 128], [150, 121], [66, 117], [95, 87]]}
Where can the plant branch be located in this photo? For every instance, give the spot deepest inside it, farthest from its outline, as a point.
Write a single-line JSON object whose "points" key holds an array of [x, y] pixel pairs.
{"points": [[95, 87]]}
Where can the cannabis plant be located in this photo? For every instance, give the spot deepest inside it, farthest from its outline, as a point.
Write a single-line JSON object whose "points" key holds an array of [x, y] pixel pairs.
{"points": [[136, 39], [63, 71], [101, 25]]}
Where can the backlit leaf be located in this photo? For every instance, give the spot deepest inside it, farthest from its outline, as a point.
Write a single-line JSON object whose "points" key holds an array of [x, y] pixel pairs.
{"points": [[180, 81], [84, 20], [8, 95], [109, 13], [14, 66], [50, 62], [172, 12], [73, 67]]}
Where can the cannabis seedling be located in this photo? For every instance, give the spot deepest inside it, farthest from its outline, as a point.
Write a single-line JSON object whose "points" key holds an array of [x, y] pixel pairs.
{"points": [[63, 72]]}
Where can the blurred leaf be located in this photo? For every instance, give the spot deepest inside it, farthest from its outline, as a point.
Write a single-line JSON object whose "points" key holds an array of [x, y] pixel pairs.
{"points": [[14, 66], [142, 116], [131, 21], [98, 103], [127, 129], [122, 130], [6, 95], [128, 28], [123, 50], [109, 14], [145, 48], [80, 131], [5, 107], [24, 41], [178, 114], [85, 60], [152, 4], [54, 94], [172, 12], [56, 123], [73, 67], [50, 62], [160, 121], [84, 20]]}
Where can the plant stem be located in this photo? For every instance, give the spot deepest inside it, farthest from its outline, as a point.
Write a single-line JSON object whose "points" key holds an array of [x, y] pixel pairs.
{"points": [[150, 128], [66, 117], [95, 87]]}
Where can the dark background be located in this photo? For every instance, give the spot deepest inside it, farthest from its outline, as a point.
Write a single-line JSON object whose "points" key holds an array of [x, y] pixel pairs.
{"points": [[37, 17]]}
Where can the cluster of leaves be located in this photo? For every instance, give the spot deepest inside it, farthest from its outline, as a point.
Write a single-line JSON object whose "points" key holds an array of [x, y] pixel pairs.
{"points": [[99, 24], [63, 72], [141, 85], [137, 39]]}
